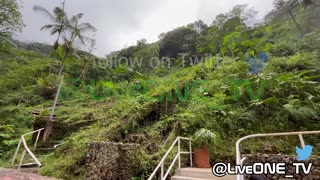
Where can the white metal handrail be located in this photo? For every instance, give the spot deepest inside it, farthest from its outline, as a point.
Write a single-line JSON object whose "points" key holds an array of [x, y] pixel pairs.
{"points": [[26, 148], [238, 155], [177, 157]]}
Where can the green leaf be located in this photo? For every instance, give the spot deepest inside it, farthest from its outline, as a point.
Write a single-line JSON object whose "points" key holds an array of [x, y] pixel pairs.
{"points": [[60, 51], [271, 100], [267, 47], [252, 53], [138, 75], [120, 69]]}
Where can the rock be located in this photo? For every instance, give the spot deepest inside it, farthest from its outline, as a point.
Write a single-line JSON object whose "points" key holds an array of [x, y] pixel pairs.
{"points": [[289, 160], [297, 177], [316, 172], [111, 160], [316, 177]]}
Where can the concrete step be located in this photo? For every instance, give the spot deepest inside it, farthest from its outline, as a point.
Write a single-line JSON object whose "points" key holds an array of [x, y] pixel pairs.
{"points": [[187, 178], [195, 178], [205, 173], [199, 173], [44, 149]]}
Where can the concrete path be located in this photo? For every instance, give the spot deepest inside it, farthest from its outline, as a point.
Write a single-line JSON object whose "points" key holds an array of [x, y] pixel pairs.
{"points": [[198, 174], [9, 174]]}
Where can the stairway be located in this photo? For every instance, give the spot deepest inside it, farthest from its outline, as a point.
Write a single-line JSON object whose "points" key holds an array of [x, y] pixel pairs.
{"points": [[198, 174]]}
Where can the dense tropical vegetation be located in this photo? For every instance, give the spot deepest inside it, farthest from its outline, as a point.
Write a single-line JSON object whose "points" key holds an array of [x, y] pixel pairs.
{"points": [[234, 77]]}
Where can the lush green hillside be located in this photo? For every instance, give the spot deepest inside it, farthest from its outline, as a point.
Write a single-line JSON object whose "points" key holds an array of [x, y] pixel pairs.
{"points": [[233, 78]]}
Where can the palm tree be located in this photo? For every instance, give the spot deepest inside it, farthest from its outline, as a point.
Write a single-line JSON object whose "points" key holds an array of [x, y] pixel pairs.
{"points": [[284, 7], [85, 68], [59, 21], [70, 30], [75, 30]]}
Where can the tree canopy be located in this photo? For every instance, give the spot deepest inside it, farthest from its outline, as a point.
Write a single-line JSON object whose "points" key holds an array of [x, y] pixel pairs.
{"points": [[10, 17]]}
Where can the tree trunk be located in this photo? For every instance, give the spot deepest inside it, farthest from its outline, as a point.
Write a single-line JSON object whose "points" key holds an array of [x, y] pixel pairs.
{"points": [[63, 4], [62, 63], [48, 130], [83, 76], [61, 68], [49, 125], [295, 22]]}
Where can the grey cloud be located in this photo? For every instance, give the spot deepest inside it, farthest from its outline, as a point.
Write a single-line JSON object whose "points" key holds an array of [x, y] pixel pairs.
{"points": [[111, 18], [121, 22], [209, 9]]}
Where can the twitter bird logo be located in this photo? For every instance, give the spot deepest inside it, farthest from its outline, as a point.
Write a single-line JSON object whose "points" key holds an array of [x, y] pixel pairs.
{"points": [[304, 153]]}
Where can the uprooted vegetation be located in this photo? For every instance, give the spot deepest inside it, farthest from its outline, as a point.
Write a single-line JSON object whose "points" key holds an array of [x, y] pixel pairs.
{"points": [[228, 94]]}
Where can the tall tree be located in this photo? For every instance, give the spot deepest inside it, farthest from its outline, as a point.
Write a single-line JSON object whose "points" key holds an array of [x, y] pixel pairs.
{"points": [[244, 13], [59, 21], [180, 40], [75, 30], [225, 24], [284, 7], [10, 18], [70, 29], [85, 68], [199, 26]]}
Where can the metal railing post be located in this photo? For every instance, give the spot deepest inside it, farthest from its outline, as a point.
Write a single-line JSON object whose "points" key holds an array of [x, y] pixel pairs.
{"points": [[165, 174], [238, 156], [29, 152], [22, 158], [238, 153], [37, 139], [162, 170], [190, 148], [16, 153], [302, 141], [179, 165], [26, 148]]}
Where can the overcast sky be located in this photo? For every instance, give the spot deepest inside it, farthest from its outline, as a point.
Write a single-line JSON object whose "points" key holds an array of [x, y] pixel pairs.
{"points": [[121, 23]]}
